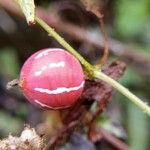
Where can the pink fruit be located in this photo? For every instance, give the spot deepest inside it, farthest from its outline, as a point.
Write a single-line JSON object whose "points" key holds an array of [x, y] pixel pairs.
{"points": [[52, 78]]}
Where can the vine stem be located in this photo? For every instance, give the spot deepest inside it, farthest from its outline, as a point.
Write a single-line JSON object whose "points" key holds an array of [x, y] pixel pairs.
{"points": [[91, 70]]}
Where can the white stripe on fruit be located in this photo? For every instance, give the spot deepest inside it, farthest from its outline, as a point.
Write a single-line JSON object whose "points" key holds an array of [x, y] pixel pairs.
{"points": [[47, 106], [59, 90]]}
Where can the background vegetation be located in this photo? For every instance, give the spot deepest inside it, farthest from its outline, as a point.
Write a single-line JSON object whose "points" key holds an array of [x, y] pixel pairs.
{"points": [[127, 23]]}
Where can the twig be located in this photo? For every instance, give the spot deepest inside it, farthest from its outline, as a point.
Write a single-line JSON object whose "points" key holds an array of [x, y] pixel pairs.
{"points": [[123, 90], [97, 134], [12, 83], [91, 7], [60, 134], [57, 37], [114, 141]]}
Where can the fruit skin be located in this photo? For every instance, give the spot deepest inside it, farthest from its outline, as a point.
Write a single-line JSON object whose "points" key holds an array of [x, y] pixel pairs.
{"points": [[52, 78]]}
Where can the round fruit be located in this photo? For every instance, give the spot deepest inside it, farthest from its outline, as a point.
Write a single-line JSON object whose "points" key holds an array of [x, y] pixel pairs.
{"points": [[52, 78]]}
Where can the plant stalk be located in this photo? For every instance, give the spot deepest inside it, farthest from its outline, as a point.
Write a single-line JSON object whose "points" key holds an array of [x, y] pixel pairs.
{"points": [[66, 45], [123, 90]]}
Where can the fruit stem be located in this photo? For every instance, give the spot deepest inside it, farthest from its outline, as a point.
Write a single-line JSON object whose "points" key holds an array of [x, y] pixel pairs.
{"points": [[91, 70]]}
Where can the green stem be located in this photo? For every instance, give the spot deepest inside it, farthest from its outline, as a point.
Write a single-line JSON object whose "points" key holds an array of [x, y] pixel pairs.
{"points": [[123, 90], [68, 47], [91, 69]]}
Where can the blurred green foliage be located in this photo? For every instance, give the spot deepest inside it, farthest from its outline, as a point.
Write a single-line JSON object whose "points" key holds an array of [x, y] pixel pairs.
{"points": [[132, 22], [9, 124], [133, 18], [138, 128], [9, 62], [9, 69], [132, 25]]}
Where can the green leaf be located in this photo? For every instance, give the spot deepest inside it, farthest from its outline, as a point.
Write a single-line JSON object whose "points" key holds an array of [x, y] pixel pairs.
{"points": [[28, 9]]}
